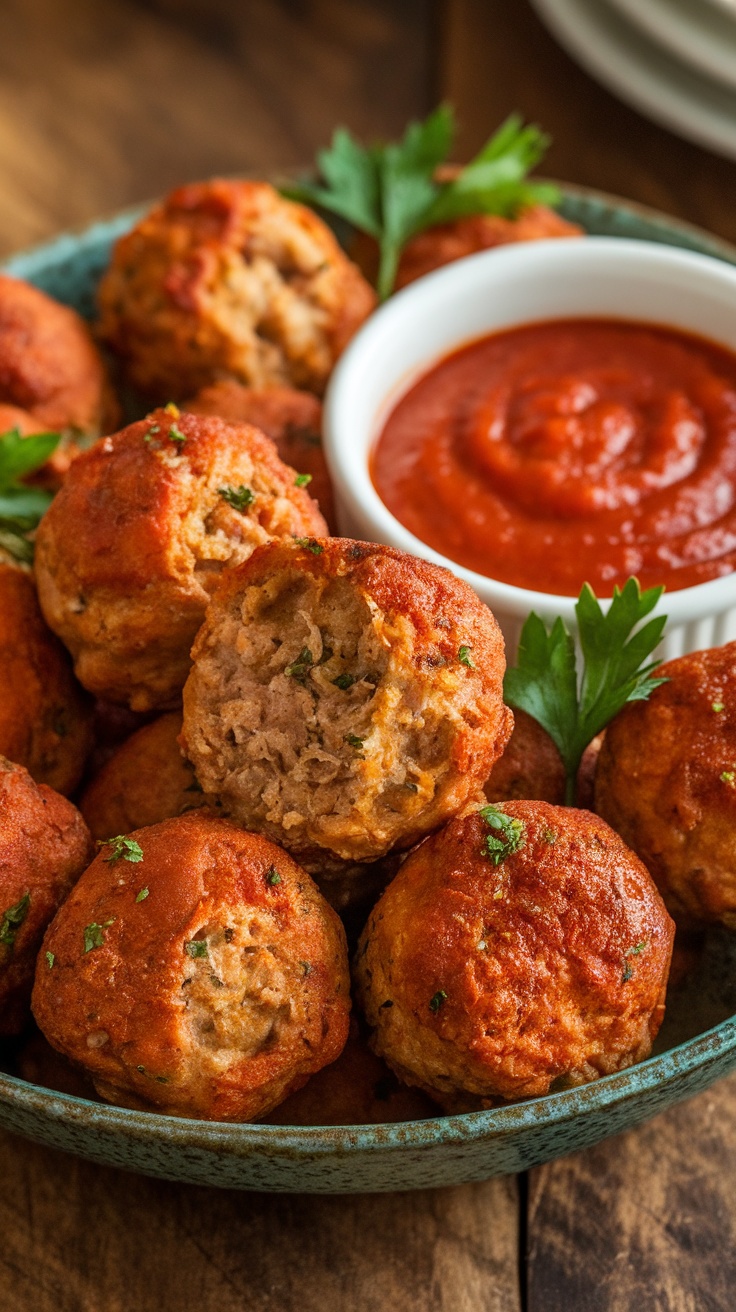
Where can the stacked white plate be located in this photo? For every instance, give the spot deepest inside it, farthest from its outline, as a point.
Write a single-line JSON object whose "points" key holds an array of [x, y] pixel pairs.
{"points": [[673, 60]]}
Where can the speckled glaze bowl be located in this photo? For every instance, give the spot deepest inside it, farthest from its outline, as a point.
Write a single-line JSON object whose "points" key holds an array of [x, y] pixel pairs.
{"points": [[697, 1043]]}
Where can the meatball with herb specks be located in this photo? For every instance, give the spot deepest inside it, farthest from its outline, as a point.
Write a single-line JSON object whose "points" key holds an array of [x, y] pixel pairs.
{"points": [[520, 950], [196, 971], [345, 698], [44, 847], [135, 542], [145, 781]]}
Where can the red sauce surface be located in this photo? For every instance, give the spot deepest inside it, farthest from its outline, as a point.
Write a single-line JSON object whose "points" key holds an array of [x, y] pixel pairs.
{"points": [[571, 451]]}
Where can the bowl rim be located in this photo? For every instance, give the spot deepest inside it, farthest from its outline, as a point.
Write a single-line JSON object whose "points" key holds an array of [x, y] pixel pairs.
{"points": [[421, 299]]}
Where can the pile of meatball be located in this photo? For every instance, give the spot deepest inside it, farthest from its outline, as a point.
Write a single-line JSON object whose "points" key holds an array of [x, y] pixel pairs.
{"points": [[294, 780]]}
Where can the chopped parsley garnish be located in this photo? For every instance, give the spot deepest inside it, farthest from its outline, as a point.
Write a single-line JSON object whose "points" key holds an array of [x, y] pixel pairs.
{"points": [[632, 952], [302, 480], [436, 1002], [549, 836], [299, 669], [273, 876], [309, 544], [729, 777], [718, 707], [13, 919], [237, 497], [464, 657], [345, 681], [50, 959], [196, 947], [142, 895], [176, 435], [353, 740], [21, 507], [94, 934], [127, 848], [545, 682], [508, 835]]}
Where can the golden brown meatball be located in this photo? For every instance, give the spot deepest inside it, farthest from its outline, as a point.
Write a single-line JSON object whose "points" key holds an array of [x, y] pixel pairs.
{"points": [[49, 365], [345, 697], [44, 847], [228, 280], [134, 543], [292, 419], [199, 975], [45, 718], [503, 972], [666, 781], [147, 780], [531, 766]]}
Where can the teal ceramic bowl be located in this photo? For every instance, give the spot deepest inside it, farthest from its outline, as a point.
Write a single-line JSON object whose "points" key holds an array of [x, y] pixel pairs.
{"points": [[697, 1043]]}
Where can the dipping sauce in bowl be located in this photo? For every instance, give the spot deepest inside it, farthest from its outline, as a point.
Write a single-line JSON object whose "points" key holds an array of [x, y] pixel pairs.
{"points": [[568, 451]]}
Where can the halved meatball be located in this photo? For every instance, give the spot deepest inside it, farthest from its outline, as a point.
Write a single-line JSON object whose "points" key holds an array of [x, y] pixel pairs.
{"points": [[44, 847], [45, 717], [666, 781], [293, 421], [145, 781], [520, 950], [197, 972], [227, 279], [345, 697], [134, 543]]}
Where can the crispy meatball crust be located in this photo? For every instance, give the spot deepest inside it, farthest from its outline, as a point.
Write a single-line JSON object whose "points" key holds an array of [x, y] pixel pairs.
{"points": [[228, 280], [215, 993], [531, 766], [666, 781], [145, 781], [49, 365], [293, 421], [133, 545], [44, 847], [345, 697], [45, 717], [487, 982]]}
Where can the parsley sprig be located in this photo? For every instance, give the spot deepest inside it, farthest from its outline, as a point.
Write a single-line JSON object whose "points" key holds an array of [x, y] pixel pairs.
{"points": [[508, 834], [545, 681], [392, 191], [21, 507]]}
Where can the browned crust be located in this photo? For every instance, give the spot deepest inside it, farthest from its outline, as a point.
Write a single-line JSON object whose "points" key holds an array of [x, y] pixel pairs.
{"points": [[146, 781]]}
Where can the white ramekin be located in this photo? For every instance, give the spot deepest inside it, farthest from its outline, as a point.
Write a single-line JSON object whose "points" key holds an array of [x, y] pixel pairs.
{"points": [[596, 277]]}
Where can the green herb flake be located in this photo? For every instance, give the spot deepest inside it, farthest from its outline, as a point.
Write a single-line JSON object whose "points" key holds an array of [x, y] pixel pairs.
{"points": [[437, 1001], [13, 919], [718, 707], [237, 497], [272, 876], [632, 952], [465, 658], [21, 506], [302, 480], [176, 435], [309, 544], [142, 895], [728, 777], [196, 947], [344, 681], [94, 934], [216, 983], [549, 836], [299, 669], [508, 836], [50, 959], [353, 740], [122, 847]]}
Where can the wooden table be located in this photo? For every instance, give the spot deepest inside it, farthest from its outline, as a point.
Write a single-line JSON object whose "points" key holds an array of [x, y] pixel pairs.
{"points": [[104, 103]]}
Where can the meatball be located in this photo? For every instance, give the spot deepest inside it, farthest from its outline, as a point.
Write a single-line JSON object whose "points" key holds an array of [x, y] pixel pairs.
{"points": [[134, 543], [293, 421], [345, 697], [505, 962], [197, 972], [531, 766], [45, 718], [50, 367], [44, 847], [227, 279], [146, 780], [666, 781]]}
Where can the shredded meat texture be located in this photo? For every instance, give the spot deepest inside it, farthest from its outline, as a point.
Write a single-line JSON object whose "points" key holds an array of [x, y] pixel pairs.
{"points": [[666, 780], [145, 781], [491, 980], [345, 698], [207, 979], [132, 547], [228, 280]]}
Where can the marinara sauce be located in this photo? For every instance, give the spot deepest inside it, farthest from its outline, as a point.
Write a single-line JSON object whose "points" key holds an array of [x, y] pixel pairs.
{"points": [[571, 451]]}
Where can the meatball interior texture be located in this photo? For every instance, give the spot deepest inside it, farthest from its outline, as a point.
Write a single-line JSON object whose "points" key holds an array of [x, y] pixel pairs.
{"points": [[134, 543], [44, 847], [45, 718], [145, 781], [50, 367], [291, 418], [531, 766], [345, 697], [227, 279], [666, 781], [486, 982], [207, 979]]}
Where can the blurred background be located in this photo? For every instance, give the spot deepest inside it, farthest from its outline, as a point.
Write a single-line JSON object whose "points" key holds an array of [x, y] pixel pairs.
{"points": [[106, 103]]}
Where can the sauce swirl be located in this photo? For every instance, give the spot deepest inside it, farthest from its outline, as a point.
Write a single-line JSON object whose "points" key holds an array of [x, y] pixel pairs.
{"points": [[571, 451]]}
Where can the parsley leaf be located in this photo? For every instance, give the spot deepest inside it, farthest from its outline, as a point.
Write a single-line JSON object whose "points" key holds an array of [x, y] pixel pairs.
{"points": [[508, 834], [12, 919], [391, 191], [299, 669], [94, 934], [237, 497], [437, 1000], [21, 507], [272, 876], [196, 947], [127, 848], [545, 682]]}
